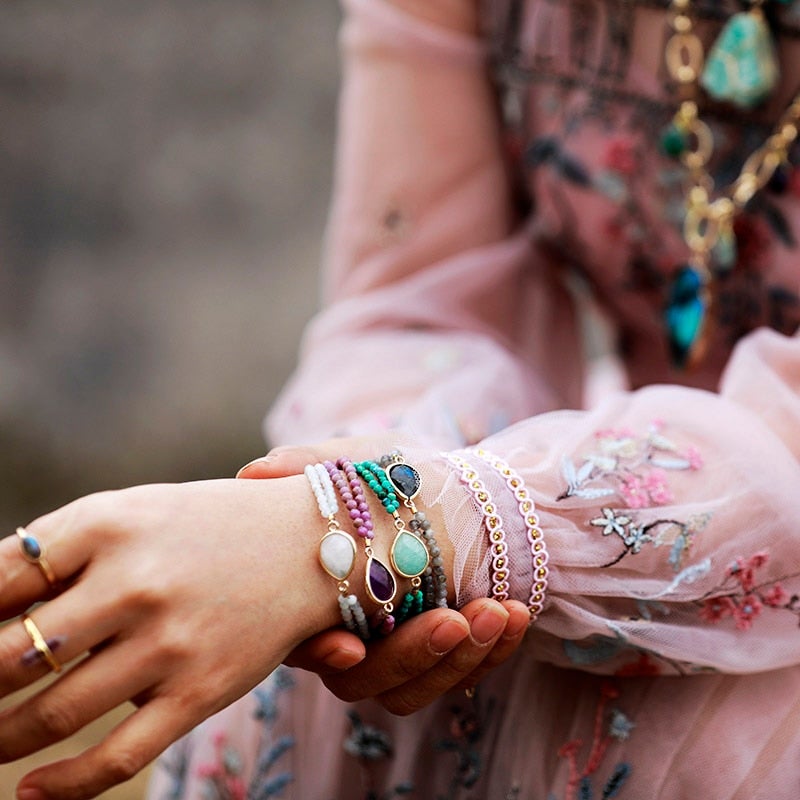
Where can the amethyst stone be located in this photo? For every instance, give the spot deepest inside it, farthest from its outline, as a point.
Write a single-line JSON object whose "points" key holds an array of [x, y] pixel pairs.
{"points": [[405, 480], [380, 582]]}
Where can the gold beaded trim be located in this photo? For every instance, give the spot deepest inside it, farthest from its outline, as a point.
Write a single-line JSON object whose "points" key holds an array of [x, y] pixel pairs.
{"points": [[527, 510]]}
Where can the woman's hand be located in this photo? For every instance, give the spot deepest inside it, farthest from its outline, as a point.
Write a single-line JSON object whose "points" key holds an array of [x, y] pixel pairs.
{"points": [[425, 657], [179, 598]]}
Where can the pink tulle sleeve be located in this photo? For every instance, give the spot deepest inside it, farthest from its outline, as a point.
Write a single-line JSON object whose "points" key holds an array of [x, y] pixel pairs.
{"points": [[669, 514]]}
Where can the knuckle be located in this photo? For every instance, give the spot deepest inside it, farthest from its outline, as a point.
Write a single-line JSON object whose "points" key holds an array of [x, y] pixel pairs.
{"points": [[122, 765], [53, 719]]}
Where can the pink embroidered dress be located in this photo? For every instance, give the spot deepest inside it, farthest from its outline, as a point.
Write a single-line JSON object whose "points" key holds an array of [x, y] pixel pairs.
{"points": [[490, 193]]}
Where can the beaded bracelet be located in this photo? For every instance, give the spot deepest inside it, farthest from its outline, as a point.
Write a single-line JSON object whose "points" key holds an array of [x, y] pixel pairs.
{"points": [[527, 510], [407, 484], [378, 579], [491, 520], [408, 554], [337, 550]]}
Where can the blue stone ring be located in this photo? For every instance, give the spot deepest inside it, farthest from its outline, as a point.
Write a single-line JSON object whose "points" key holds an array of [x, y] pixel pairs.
{"points": [[33, 551]]}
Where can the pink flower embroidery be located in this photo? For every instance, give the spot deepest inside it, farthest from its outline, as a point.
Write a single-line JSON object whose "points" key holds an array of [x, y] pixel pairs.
{"points": [[716, 608], [655, 484], [694, 458], [776, 597], [746, 611], [634, 492]]}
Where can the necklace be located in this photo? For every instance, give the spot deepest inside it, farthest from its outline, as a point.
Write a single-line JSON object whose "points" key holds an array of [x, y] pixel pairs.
{"points": [[709, 215]]}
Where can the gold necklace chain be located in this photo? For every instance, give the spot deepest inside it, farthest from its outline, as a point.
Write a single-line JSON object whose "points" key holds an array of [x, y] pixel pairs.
{"points": [[708, 220]]}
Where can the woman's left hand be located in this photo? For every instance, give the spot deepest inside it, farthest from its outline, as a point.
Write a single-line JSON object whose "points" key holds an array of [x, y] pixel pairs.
{"points": [[179, 598]]}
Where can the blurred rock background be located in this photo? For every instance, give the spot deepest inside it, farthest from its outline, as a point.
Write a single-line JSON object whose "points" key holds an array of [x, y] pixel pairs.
{"points": [[164, 173]]}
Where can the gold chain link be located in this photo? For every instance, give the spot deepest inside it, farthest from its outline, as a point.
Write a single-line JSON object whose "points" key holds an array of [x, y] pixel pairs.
{"points": [[707, 220]]}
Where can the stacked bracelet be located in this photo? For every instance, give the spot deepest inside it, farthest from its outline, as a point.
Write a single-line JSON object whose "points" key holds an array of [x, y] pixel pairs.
{"points": [[408, 554], [527, 510], [491, 520], [379, 581], [407, 483], [337, 550]]}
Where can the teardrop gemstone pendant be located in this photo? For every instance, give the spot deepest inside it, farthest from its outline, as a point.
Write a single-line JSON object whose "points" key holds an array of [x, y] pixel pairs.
{"points": [[380, 583], [409, 555], [742, 65], [685, 315], [337, 554]]}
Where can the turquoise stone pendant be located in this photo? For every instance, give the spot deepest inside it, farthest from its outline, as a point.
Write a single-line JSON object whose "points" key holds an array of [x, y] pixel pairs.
{"points": [[685, 314], [409, 555], [742, 66]]}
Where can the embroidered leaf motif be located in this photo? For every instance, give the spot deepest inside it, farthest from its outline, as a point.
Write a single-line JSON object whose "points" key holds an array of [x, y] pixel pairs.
{"points": [[671, 463], [592, 494], [688, 575], [616, 781]]}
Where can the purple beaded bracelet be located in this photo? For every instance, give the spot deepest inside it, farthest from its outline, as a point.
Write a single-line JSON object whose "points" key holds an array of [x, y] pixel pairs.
{"points": [[379, 581]]}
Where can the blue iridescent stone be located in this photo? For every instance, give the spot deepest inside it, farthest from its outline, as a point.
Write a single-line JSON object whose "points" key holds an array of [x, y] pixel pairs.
{"points": [[742, 66], [405, 479], [685, 313], [31, 548]]}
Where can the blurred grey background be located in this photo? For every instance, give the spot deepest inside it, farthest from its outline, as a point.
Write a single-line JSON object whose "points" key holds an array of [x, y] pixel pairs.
{"points": [[164, 175]]}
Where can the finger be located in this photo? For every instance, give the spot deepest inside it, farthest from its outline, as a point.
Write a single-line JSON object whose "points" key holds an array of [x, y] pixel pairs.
{"points": [[73, 622], [402, 657], [127, 749], [487, 620], [328, 652], [518, 621], [68, 543], [279, 463], [93, 687]]}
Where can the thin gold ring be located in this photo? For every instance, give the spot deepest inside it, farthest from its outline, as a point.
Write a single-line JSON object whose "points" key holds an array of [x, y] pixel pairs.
{"points": [[33, 551], [40, 643]]}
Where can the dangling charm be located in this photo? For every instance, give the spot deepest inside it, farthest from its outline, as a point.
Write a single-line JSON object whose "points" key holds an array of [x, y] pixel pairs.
{"points": [[685, 314], [742, 66]]}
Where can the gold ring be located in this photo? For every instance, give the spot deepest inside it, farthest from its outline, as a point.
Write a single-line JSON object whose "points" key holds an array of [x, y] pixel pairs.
{"points": [[33, 552], [40, 643]]}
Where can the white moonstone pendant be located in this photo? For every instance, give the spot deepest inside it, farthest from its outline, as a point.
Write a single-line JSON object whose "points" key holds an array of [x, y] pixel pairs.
{"points": [[337, 554]]}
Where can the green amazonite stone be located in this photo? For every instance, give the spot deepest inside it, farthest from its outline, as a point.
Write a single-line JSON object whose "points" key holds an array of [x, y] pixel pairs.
{"points": [[742, 67], [409, 554]]}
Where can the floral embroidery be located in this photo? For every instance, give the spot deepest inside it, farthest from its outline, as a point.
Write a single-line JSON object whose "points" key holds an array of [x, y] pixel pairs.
{"points": [[467, 727], [371, 745], [676, 534], [619, 727], [635, 468], [743, 599], [176, 762], [223, 776]]}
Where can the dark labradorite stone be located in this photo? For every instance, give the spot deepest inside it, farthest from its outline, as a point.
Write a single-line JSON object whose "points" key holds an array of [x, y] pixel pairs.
{"points": [[31, 547], [380, 582], [405, 479], [685, 313]]}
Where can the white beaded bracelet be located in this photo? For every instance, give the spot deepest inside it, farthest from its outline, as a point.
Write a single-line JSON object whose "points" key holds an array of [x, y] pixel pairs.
{"points": [[337, 550]]}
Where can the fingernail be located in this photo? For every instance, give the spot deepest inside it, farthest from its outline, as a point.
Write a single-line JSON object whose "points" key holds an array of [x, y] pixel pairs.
{"points": [[31, 793], [342, 659], [259, 460], [515, 627], [446, 636], [488, 624]]}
